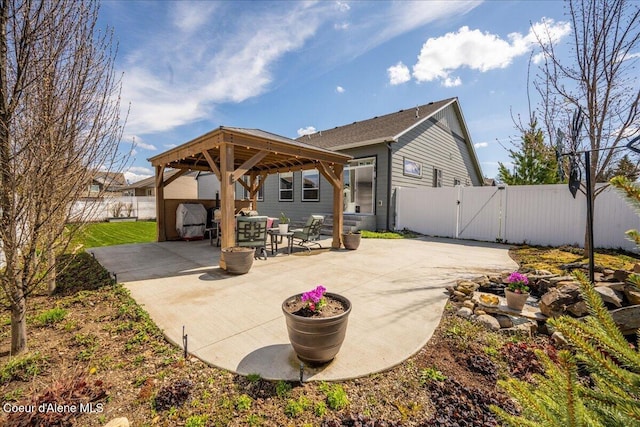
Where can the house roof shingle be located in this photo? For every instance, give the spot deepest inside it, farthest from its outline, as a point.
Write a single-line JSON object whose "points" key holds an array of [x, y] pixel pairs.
{"points": [[377, 129]]}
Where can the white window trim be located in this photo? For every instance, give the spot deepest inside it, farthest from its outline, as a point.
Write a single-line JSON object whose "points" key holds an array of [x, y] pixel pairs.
{"points": [[280, 189], [304, 199]]}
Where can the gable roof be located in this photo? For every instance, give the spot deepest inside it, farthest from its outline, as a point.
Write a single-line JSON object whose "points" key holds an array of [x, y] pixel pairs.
{"points": [[378, 129], [150, 182], [110, 180]]}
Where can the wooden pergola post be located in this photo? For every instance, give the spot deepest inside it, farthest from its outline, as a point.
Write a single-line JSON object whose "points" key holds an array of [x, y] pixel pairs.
{"points": [[161, 234], [227, 202], [334, 173]]}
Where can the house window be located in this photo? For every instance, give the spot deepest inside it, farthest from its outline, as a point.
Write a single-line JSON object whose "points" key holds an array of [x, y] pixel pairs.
{"points": [[245, 193], [310, 186], [285, 180], [149, 191], [437, 177], [94, 188]]}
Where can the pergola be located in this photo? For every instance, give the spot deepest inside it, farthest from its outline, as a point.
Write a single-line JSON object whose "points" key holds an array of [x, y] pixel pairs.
{"points": [[231, 153]]}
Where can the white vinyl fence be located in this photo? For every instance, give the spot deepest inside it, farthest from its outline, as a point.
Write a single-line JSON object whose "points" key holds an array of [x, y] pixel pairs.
{"points": [[545, 215], [100, 209]]}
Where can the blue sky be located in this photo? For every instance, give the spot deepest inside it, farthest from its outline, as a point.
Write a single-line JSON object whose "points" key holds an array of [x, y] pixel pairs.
{"points": [[293, 67]]}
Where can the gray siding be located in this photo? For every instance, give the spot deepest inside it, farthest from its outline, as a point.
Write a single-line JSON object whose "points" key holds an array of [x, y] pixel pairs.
{"points": [[298, 210], [435, 143]]}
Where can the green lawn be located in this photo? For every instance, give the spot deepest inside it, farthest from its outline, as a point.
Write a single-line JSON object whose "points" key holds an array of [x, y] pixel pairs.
{"points": [[114, 233]]}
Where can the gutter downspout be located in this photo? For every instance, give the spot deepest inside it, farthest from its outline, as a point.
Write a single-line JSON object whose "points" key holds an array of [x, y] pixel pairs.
{"points": [[389, 169]]}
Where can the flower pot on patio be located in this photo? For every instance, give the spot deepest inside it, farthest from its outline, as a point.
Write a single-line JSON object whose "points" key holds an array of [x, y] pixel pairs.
{"points": [[515, 300], [238, 260], [351, 240], [283, 228], [316, 337]]}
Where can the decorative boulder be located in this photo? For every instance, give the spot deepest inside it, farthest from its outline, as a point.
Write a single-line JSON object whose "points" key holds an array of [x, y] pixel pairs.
{"points": [[489, 322], [609, 295], [554, 302], [465, 312], [467, 287], [632, 294]]}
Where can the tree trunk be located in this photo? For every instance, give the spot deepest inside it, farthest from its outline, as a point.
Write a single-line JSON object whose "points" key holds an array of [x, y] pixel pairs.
{"points": [[18, 322], [51, 276]]}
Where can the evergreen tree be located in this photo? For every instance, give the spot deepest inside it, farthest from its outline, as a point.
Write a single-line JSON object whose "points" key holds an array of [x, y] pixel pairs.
{"points": [[533, 161], [610, 395]]}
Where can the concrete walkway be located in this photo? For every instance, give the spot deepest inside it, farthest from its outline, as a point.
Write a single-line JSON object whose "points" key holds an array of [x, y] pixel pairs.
{"points": [[396, 287]]}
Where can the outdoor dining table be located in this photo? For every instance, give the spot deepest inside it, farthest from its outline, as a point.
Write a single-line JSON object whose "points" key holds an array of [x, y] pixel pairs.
{"points": [[276, 235]]}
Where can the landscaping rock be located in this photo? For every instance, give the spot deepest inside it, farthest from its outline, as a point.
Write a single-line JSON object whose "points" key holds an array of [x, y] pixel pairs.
{"points": [[633, 295], [118, 422], [459, 295], [559, 340], [621, 275], [470, 304], [636, 268], [610, 296], [465, 312], [489, 322], [504, 321], [554, 280], [479, 312], [542, 286], [578, 309], [616, 286], [554, 302], [467, 287]]}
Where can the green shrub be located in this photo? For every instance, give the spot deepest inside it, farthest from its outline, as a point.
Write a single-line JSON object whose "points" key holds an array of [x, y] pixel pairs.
{"points": [[283, 389], [431, 374], [23, 367], [336, 396], [243, 402], [196, 421], [560, 397], [50, 317]]}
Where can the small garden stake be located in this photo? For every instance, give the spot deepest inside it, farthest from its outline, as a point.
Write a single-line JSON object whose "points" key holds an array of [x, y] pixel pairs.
{"points": [[184, 342], [301, 373]]}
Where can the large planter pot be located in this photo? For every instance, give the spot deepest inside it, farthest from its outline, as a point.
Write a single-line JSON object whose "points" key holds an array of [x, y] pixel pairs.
{"points": [[237, 260], [351, 240], [515, 301], [317, 340]]}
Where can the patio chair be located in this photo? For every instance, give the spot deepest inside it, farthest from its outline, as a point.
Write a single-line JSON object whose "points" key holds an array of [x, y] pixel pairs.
{"points": [[310, 233], [251, 231]]}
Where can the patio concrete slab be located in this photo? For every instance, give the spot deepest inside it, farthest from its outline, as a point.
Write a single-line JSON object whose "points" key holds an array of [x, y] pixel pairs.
{"points": [[397, 289]]}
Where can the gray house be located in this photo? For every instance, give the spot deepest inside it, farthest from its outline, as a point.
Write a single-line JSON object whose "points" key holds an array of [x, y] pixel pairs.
{"points": [[425, 146]]}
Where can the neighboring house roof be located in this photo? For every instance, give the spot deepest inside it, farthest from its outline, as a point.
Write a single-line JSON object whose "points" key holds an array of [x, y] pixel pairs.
{"points": [[151, 181], [110, 180], [387, 128]]}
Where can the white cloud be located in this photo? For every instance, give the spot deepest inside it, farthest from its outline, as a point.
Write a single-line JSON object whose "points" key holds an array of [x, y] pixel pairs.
{"points": [[343, 6], [180, 82], [398, 74], [481, 144], [341, 26], [190, 16], [481, 51], [339, 89], [452, 82], [306, 131], [136, 173]]}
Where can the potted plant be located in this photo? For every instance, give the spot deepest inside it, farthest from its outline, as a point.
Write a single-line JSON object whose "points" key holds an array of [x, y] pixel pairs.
{"points": [[237, 259], [316, 323], [517, 290], [283, 225], [351, 240]]}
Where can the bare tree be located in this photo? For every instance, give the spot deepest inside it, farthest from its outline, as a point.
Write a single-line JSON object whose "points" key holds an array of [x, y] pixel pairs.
{"points": [[59, 124], [599, 77]]}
